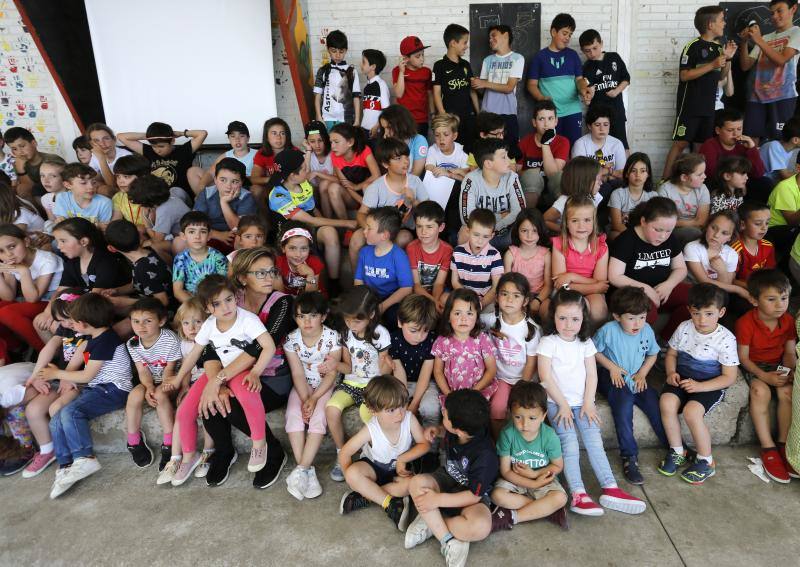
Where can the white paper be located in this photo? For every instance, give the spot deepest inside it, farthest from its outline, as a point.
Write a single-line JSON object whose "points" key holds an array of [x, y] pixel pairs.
{"points": [[439, 188]]}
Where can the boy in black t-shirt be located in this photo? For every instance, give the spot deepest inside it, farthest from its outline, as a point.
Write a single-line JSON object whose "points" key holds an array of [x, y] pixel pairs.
{"points": [[703, 63], [471, 470], [608, 77], [171, 163], [452, 92]]}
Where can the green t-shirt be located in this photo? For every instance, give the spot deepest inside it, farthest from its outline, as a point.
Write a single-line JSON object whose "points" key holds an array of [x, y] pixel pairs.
{"points": [[785, 197], [536, 454]]}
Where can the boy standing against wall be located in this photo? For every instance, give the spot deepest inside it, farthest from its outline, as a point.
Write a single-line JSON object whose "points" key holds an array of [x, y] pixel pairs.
{"points": [[411, 81], [337, 94]]}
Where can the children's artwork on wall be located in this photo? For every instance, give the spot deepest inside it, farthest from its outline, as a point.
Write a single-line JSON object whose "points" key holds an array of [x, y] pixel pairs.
{"points": [[525, 21], [26, 88]]}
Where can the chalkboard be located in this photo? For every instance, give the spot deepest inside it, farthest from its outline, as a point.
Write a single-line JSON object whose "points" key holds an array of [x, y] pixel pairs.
{"points": [[63, 32], [525, 22]]}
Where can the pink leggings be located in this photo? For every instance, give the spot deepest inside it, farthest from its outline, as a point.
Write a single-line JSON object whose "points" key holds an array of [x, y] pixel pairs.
{"points": [[16, 323], [251, 403]]}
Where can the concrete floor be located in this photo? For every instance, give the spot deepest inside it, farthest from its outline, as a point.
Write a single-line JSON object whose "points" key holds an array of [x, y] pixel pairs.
{"points": [[119, 517]]}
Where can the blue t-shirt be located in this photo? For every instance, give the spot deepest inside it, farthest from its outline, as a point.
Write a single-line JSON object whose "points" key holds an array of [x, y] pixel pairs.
{"points": [[247, 159], [208, 202], [418, 149], [384, 274], [626, 351], [556, 72], [775, 157], [98, 210], [287, 203], [191, 273]]}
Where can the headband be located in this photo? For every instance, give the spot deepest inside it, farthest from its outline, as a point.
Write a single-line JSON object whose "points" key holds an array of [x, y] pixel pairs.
{"points": [[313, 132], [69, 297], [296, 232]]}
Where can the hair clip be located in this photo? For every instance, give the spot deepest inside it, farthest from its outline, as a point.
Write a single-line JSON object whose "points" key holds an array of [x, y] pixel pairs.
{"points": [[68, 297]]}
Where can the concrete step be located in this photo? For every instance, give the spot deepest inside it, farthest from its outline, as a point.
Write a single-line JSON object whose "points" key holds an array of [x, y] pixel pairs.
{"points": [[729, 424]]}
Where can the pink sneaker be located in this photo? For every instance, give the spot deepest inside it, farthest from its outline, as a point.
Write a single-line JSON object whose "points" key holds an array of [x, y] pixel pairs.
{"points": [[258, 459], [619, 500], [585, 506], [40, 462]]}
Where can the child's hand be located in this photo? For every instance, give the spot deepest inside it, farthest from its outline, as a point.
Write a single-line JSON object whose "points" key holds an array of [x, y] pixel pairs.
{"points": [[754, 32], [523, 470], [49, 372], [109, 293], [150, 396], [674, 379], [304, 270], [730, 49], [562, 279], [663, 290], [589, 411], [402, 470], [691, 386], [401, 63], [252, 381], [774, 378], [308, 408], [746, 141], [545, 478], [564, 416], [64, 387], [640, 380], [617, 376], [306, 146], [39, 385], [327, 366], [439, 171], [181, 394], [426, 500]]}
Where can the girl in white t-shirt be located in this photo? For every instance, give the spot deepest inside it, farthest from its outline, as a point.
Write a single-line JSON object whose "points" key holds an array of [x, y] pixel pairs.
{"points": [[568, 371], [710, 259], [18, 211], [231, 331], [28, 277], [317, 147], [515, 337]]}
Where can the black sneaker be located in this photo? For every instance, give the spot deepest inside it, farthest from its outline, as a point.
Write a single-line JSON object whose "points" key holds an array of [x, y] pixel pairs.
{"points": [[630, 468], [559, 518], [354, 501], [669, 466], [9, 467], [276, 459], [397, 510], [141, 453], [166, 455], [220, 467], [501, 519]]}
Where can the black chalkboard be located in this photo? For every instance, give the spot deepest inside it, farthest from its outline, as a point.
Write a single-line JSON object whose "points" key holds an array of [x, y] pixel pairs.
{"points": [[525, 22], [63, 31]]}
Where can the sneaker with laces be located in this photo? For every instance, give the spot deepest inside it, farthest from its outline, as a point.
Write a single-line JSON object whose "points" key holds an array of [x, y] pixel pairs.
{"points": [[276, 460], [313, 487], [397, 510], [455, 552], [789, 468], [698, 472], [185, 470], [40, 462], [585, 506], [774, 465], [169, 471], [619, 500], [336, 473], [220, 468], [60, 484], [10, 467], [559, 518], [205, 463], [258, 459], [166, 455], [142, 454], [297, 482], [630, 468], [669, 466], [417, 533], [82, 468], [501, 519], [351, 502]]}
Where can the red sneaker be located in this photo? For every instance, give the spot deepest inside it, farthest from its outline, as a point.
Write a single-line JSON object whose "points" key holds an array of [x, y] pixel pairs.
{"points": [[789, 468], [619, 500], [773, 465], [347, 236], [585, 506]]}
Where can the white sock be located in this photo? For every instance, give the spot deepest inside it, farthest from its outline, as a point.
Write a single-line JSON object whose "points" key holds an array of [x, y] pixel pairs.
{"points": [[46, 448], [176, 457], [707, 459], [678, 449]]}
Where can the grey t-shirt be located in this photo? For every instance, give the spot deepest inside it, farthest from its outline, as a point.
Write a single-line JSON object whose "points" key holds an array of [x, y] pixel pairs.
{"points": [[621, 199], [687, 204], [378, 194], [505, 201], [169, 214]]}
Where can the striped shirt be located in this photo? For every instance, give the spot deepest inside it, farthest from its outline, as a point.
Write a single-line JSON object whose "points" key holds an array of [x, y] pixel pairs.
{"points": [[475, 271], [110, 350], [155, 358]]}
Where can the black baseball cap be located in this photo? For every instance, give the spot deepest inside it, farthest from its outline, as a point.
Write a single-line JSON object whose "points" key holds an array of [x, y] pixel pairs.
{"points": [[288, 161], [237, 126]]}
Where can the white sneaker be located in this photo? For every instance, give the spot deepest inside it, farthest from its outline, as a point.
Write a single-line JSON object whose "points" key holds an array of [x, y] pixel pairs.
{"points": [[82, 468], [455, 552], [166, 476], [297, 482], [417, 533], [202, 469], [60, 484], [336, 473], [313, 487]]}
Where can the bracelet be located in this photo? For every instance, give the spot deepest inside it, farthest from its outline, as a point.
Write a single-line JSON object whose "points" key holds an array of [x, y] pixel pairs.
{"points": [[20, 173], [537, 299]]}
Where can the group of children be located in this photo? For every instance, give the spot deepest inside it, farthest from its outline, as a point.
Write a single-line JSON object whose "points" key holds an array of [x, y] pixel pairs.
{"points": [[481, 322]]}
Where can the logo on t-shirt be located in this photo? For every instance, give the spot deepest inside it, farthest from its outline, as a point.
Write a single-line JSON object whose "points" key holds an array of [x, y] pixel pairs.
{"points": [[653, 260]]}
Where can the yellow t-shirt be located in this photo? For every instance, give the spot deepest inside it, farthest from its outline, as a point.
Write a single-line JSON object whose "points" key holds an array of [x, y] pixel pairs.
{"points": [[130, 212], [472, 164]]}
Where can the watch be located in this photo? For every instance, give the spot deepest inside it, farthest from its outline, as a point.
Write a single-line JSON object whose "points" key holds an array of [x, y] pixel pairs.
{"points": [[312, 280]]}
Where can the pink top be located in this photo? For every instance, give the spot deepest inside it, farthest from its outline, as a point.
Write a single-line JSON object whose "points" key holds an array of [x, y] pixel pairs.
{"points": [[463, 361], [582, 263], [532, 268]]}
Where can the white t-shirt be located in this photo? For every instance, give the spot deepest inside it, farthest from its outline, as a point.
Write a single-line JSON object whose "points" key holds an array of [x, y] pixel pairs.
{"points": [[364, 355], [456, 160], [45, 263], [326, 166], [567, 365], [312, 356], [33, 222], [230, 344], [719, 345], [383, 452], [512, 350], [94, 163], [696, 252], [49, 202], [613, 150]]}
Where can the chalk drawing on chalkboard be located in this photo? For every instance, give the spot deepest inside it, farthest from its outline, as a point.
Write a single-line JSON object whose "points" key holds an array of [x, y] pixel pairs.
{"points": [[488, 21]]}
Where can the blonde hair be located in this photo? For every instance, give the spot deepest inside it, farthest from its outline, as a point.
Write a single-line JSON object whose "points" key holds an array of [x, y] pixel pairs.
{"points": [[191, 305], [244, 260], [445, 121], [576, 202]]}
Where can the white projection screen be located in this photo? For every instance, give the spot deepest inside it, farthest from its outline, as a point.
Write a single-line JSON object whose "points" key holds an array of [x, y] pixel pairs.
{"points": [[190, 63]]}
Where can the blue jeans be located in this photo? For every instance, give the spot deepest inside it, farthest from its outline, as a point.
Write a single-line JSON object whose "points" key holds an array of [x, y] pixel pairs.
{"points": [[70, 426], [571, 451], [622, 401]]}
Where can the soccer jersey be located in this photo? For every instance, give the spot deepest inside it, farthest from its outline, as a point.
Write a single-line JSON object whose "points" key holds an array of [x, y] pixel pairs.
{"points": [[765, 345], [696, 97], [604, 75], [749, 263], [288, 203], [374, 99], [337, 85], [499, 69], [556, 72], [454, 80]]}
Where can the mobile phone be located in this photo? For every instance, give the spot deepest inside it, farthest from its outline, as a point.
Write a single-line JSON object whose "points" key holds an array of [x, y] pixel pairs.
{"points": [[783, 370]]}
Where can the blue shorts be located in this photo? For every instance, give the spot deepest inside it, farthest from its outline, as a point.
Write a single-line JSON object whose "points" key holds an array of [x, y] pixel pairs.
{"points": [[695, 129], [766, 120], [571, 127], [383, 475]]}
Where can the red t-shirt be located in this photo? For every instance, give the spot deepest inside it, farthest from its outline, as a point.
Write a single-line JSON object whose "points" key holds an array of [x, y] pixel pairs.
{"points": [[429, 265], [749, 263], [766, 346], [713, 152], [532, 154], [415, 97], [294, 283], [267, 163], [356, 170]]}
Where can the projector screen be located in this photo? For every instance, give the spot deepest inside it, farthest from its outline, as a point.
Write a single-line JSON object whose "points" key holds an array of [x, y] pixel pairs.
{"points": [[196, 64]]}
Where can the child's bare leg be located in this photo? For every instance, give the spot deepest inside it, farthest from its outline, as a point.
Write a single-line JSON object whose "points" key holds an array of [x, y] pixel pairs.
{"points": [[784, 411], [527, 508], [473, 524], [177, 449], [760, 396], [361, 478], [693, 413], [134, 409], [423, 484], [399, 487], [357, 242], [208, 442], [598, 310], [166, 413], [669, 404], [338, 198], [333, 416], [325, 199], [328, 237], [36, 412], [297, 439], [309, 453]]}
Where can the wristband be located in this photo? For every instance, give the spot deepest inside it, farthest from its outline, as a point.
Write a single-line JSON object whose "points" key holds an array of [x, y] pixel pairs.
{"points": [[184, 133], [20, 173]]}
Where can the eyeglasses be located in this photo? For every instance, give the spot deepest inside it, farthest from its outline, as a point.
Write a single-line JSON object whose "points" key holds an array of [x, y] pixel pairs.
{"points": [[261, 274]]}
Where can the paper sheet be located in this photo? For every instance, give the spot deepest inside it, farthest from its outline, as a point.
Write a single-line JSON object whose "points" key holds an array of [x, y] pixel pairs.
{"points": [[439, 188]]}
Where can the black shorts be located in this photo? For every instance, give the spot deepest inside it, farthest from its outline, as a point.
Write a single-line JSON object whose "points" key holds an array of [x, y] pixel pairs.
{"points": [[709, 400], [766, 120], [382, 474], [449, 485], [695, 129], [618, 131]]}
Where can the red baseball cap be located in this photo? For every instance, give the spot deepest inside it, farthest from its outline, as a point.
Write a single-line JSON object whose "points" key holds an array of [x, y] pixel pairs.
{"points": [[410, 45]]}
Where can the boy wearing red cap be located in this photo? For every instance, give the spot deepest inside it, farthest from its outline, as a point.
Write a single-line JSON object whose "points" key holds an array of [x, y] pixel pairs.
{"points": [[412, 82]]}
